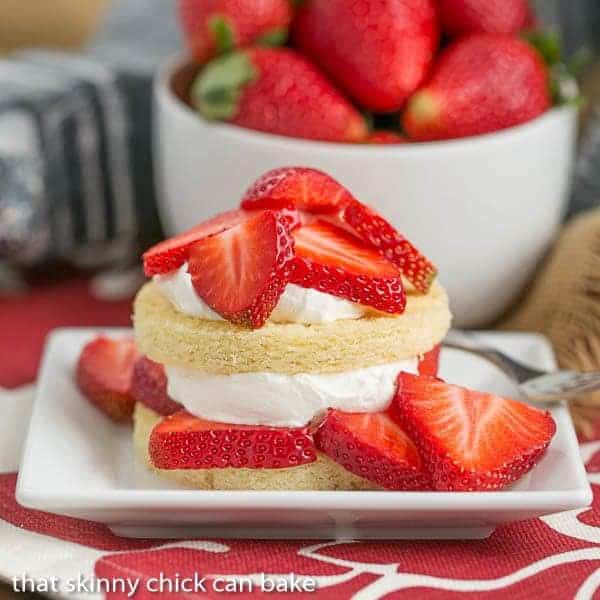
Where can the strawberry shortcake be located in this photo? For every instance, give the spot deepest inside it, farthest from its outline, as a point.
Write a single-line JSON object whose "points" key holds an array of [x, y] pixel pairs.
{"points": [[285, 345]]}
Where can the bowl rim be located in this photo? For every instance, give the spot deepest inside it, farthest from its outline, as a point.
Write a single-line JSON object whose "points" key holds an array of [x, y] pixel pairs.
{"points": [[164, 94]]}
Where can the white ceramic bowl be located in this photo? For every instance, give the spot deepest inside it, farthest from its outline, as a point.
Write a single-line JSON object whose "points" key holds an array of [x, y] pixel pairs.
{"points": [[484, 209]]}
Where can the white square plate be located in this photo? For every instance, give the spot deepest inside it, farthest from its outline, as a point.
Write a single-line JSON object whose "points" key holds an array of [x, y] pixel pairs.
{"points": [[78, 463]]}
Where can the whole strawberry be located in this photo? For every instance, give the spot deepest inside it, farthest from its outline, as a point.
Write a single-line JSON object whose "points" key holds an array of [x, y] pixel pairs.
{"points": [[477, 16], [278, 91], [383, 136], [482, 83], [377, 51], [214, 26]]}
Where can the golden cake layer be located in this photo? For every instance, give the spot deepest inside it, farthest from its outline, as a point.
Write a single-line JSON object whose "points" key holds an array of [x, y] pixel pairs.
{"points": [[323, 474], [170, 337]]}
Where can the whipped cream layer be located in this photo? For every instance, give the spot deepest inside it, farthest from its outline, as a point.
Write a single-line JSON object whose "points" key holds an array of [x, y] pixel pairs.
{"points": [[296, 304], [281, 400]]}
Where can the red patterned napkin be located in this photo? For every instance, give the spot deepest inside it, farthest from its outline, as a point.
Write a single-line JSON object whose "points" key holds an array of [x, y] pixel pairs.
{"points": [[555, 557]]}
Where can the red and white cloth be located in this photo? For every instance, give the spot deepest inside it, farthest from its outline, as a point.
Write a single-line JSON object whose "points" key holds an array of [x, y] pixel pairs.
{"points": [[555, 557]]}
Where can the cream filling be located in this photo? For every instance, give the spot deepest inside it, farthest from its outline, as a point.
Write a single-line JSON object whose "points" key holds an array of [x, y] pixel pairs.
{"points": [[296, 304], [281, 400]]}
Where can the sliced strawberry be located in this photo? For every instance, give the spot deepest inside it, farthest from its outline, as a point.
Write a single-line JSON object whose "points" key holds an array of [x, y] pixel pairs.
{"points": [[149, 386], [103, 374], [241, 272], [375, 230], [470, 440], [332, 260], [172, 253], [316, 192], [290, 217], [296, 187], [182, 441], [430, 363], [372, 446]]}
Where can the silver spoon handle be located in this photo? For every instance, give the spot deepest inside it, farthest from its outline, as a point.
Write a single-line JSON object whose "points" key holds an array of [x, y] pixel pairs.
{"points": [[467, 343], [562, 385]]}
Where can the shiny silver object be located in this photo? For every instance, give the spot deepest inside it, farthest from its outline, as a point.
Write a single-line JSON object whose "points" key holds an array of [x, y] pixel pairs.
{"points": [[535, 385]]}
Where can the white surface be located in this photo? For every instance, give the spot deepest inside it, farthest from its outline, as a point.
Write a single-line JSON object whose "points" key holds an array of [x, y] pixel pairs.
{"points": [[282, 400], [13, 424], [296, 305], [483, 209], [78, 463]]}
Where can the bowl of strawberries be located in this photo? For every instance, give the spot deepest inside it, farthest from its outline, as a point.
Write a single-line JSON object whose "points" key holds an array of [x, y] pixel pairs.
{"points": [[454, 117]]}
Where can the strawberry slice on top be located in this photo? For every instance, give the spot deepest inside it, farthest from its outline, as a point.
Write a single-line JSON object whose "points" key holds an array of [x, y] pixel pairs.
{"points": [[170, 254], [312, 191], [302, 188], [334, 261], [183, 441], [470, 441], [377, 231], [242, 271], [372, 446]]}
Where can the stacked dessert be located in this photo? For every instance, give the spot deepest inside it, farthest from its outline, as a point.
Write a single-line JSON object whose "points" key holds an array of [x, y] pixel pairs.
{"points": [[292, 344]]}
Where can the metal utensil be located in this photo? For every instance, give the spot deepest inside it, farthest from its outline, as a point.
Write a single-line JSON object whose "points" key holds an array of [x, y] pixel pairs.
{"points": [[535, 385]]}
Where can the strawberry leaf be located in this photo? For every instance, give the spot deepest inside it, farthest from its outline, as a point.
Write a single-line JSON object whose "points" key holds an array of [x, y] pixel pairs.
{"points": [[223, 33], [547, 43], [274, 37], [216, 92], [563, 76]]}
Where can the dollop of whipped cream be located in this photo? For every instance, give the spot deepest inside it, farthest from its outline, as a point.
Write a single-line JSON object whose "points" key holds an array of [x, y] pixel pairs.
{"points": [[280, 400], [296, 304]]}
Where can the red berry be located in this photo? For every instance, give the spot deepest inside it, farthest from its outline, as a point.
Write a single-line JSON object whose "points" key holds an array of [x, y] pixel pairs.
{"points": [[470, 441], [299, 188], [430, 363], [383, 136], [172, 253], [149, 387], [214, 26], [333, 261], [373, 229], [372, 446], [315, 192], [480, 84], [103, 374], [483, 16], [377, 51], [531, 20], [182, 441], [276, 91], [241, 272]]}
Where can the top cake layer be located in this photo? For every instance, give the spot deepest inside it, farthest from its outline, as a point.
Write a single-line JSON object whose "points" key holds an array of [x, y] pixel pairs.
{"points": [[170, 337]]}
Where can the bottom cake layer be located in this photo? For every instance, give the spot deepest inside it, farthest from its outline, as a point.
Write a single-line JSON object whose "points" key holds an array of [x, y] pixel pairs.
{"points": [[323, 474]]}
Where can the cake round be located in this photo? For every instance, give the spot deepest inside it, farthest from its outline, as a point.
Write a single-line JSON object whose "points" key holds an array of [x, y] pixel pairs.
{"points": [[170, 337], [274, 336]]}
